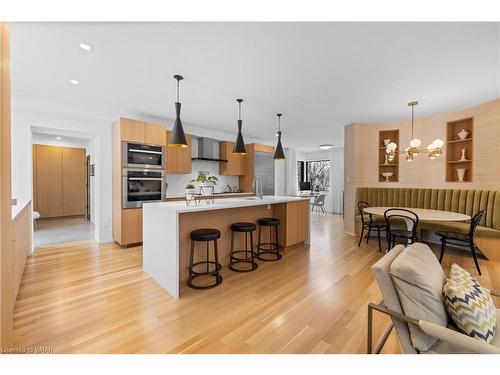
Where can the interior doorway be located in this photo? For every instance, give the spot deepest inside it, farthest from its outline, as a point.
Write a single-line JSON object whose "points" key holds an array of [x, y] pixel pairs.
{"points": [[62, 190]]}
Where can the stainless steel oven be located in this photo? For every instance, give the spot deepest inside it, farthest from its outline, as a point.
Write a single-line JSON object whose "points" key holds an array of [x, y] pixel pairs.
{"points": [[142, 186], [138, 155]]}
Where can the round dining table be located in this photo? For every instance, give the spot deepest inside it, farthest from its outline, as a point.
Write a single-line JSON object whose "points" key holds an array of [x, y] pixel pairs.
{"points": [[422, 213]]}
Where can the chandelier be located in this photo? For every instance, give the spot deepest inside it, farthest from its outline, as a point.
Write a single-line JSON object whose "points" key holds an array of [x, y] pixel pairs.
{"points": [[434, 150]]}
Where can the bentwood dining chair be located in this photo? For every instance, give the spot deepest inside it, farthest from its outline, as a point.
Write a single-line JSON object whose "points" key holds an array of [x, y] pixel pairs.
{"points": [[462, 239], [394, 219], [368, 223]]}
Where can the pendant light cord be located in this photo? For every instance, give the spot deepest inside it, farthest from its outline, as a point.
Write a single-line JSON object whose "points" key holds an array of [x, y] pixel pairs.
{"points": [[412, 111]]}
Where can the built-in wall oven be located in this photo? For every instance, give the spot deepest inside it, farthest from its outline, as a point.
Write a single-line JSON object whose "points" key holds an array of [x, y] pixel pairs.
{"points": [[142, 186], [138, 155]]}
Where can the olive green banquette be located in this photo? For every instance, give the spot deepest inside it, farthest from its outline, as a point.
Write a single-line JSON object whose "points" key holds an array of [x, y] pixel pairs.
{"points": [[462, 201]]}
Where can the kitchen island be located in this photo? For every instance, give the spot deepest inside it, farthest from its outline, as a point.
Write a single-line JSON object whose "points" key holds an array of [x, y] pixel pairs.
{"points": [[167, 225]]}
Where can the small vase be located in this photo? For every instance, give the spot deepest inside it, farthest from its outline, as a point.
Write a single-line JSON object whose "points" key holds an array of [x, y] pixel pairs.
{"points": [[461, 174]]}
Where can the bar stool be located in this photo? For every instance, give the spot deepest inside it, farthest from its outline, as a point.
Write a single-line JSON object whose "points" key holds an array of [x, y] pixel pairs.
{"points": [[212, 268], [270, 247], [247, 229]]}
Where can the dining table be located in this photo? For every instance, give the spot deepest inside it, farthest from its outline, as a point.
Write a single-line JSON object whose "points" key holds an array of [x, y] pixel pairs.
{"points": [[422, 213]]}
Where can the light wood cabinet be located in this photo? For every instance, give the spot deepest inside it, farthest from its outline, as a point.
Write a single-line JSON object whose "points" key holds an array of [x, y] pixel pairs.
{"points": [[141, 132], [178, 160], [294, 217], [131, 226], [58, 180], [154, 134], [131, 130], [235, 165]]}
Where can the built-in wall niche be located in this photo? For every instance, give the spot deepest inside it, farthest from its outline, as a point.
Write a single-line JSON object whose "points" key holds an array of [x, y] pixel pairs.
{"points": [[385, 165], [459, 151]]}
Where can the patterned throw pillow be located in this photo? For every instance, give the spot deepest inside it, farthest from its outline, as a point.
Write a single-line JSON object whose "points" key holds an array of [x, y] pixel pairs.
{"points": [[469, 305]]}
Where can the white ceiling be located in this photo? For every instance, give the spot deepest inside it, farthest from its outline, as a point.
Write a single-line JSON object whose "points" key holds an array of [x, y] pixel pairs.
{"points": [[321, 76]]}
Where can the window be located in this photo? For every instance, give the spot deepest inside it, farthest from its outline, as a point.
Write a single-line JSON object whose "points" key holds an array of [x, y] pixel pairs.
{"points": [[317, 172]]}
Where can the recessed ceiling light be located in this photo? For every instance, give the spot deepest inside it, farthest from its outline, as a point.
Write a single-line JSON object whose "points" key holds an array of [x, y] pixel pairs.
{"points": [[325, 147], [74, 82], [85, 46], [58, 138]]}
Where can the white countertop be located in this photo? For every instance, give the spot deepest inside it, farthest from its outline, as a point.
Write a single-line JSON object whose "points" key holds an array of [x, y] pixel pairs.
{"points": [[219, 204], [217, 195]]}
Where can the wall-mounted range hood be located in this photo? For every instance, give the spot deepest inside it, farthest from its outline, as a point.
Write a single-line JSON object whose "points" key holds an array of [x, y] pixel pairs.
{"points": [[206, 147]]}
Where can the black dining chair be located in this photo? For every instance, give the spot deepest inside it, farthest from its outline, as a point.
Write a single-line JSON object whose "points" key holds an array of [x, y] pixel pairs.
{"points": [[462, 239], [394, 218], [369, 224]]}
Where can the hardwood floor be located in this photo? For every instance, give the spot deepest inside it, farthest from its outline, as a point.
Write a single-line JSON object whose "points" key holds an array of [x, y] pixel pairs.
{"points": [[89, 298]]}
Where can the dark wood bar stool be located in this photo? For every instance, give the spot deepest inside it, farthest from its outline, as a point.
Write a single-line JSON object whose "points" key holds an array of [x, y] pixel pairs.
{"points": [[247, 229], [211, 267], [272, 247]]}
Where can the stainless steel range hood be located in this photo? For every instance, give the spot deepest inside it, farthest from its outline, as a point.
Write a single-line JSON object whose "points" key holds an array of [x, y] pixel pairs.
{"points": [[206, 147]]}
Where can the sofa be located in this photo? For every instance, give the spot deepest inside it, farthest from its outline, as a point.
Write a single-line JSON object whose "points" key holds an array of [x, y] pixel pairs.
{"points": [[456, 200]]}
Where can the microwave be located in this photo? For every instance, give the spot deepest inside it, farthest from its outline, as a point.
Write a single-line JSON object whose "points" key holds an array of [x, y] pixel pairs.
{"points": [[139, 155], [143, 186]]}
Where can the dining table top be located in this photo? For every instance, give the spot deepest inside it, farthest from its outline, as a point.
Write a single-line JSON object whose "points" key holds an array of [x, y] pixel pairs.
{"points": [[422, 213]]}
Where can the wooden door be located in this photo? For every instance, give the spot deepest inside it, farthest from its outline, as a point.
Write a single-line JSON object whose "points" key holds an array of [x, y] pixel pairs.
{"points": [[73, 181], [47, 161]]}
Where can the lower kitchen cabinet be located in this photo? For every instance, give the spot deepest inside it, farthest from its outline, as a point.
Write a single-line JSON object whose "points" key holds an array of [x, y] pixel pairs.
{"points": [[131, 227]]}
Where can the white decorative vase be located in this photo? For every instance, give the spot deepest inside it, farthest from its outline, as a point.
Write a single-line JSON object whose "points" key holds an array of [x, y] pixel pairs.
{"points": [[461, 174], [206, 189], [463, 134]]}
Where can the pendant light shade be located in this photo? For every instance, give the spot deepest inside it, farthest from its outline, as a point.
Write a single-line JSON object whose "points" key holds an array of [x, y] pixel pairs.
{"points": [[178, 138], [239, 146], [279, 154]]}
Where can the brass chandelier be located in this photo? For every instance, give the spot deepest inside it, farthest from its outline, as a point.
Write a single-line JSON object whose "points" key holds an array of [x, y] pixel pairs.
{"points": [[434, 150]]}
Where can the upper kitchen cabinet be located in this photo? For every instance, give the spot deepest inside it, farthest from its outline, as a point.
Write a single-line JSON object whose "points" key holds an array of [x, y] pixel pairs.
{"points": [[131, 130], [141, 132], [235, 165], [178, 160], [154, 134]]}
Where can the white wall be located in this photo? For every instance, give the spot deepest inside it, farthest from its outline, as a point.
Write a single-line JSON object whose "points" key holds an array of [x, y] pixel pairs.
{"points": [[96, 129], [177, 182]]}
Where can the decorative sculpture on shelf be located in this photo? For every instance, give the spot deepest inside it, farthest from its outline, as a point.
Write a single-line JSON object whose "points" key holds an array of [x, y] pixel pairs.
{"points": [[462, 158], [463, 134]]}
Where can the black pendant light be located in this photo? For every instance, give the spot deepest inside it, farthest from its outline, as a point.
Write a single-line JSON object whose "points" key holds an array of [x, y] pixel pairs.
{"points": [[239, 146], [278, 153], [178, 138]]}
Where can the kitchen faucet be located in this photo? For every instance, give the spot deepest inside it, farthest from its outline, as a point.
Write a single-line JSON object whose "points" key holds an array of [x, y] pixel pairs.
{"points": [[257, 188]]}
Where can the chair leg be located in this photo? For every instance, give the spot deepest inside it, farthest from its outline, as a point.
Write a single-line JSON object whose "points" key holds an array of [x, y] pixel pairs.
{"points": [[443, 247], [473, 250], [378, 236], [369, 231], [361, 237]]}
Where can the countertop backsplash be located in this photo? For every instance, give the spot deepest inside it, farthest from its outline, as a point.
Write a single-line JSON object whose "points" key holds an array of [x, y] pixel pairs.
{"points": [[177, 182]]}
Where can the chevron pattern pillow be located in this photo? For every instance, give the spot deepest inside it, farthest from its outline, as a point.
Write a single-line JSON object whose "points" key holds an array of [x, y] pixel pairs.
{"points": [[469, 305]]}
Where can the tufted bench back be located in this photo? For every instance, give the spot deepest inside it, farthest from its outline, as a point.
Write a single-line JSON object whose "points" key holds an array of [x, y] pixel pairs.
{"points": [[462, 201]]}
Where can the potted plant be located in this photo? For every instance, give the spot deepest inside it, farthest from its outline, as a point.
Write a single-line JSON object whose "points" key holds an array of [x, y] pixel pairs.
{"points": [[190, 189], [206, 182]]}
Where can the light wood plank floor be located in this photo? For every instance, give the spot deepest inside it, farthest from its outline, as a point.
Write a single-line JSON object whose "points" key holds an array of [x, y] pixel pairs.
{"points": [[89, 298]]}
